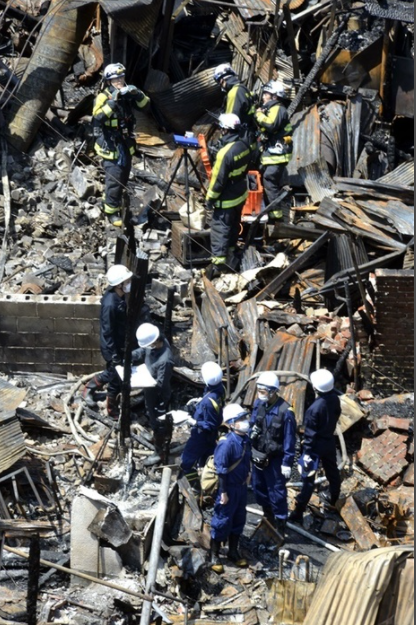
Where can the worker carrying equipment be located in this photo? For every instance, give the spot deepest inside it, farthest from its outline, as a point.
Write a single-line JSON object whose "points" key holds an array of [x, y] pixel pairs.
{"points": [[113, 318], [208, 418], [273, 439], [113, 119], [275, 140], [319, 442], [232, 463], [227, 192]]}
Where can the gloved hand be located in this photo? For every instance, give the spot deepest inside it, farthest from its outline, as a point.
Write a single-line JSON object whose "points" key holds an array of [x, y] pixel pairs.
{"points": [[116, 360], [210, 205], [307, 460], [115, 94], [129, 90], [192, 404], [278, 148], [286, 472], [191, 421]]}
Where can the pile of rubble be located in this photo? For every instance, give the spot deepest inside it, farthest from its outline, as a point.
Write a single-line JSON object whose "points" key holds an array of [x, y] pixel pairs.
{"points": [[331, 285]]}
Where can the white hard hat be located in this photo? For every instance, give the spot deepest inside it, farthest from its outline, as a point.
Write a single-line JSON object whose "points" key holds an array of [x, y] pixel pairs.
{"points": [[147, 334], [275, 87], [211, 373], [269, 380], [229, 121], [223, 70], [322, 380], [117, 274], [114, 70], [233, 412]]}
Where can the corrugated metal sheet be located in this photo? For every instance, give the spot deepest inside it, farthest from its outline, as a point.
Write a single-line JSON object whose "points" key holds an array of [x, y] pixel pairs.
{"points": [[332, 118], [317, 180], [186, 101], [287, 353], [10, 396], [12, 442], [364, 589], [403, 175], [392, 10], [257, 8], [306, 143]]}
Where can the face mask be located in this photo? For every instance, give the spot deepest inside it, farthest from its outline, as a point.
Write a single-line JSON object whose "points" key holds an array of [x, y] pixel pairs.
{"points": [[242, 427], [127, 287], [263, 395]]}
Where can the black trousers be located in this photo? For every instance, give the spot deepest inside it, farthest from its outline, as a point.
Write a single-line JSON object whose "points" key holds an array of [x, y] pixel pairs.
{"points": [[225, 229], [157, 405], [274, 178], [116, 179], [330, 466], [112, 379]]}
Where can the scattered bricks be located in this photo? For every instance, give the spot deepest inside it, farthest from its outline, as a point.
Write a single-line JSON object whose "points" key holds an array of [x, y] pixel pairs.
{"points": [[384, 457], [399, 424], [357, 524], [83, 186], [365, 395], [409, 476], [160, 291]]}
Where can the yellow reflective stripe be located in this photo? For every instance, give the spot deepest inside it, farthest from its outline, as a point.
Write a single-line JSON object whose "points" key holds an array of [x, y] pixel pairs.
{"points": [[212, 195], [132, 150], [276, 159], [235, 202], [107, 110], [269, 117], [143, 102], [214, 403], [218, 260], [110, 210], [231, 99], [238, 172], [111, 122], [105, 153]]}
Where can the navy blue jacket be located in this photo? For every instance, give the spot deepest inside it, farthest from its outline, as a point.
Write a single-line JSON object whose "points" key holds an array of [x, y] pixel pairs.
{"points": [[320, 422], [228, 451], [208, 413], [112, 325], [288, 441], [160, 364]]}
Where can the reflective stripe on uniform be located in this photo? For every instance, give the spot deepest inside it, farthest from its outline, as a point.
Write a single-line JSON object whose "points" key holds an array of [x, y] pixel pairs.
{"points": [[214, 403], [111, 123], [213, 195], [106, 153], [232, 203], [274, 159], [218, 260], [110, 210]]}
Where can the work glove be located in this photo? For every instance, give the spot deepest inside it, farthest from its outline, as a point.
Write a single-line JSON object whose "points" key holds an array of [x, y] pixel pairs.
{"points": [[307, 461], [129, 90], [286, 472], [278, 148], [210, 205], [192, 404]]}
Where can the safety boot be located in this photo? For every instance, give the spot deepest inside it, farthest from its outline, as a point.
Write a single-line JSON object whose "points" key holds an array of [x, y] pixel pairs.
{"points": [[115, 219], [234, 554], [328, 498], [215, 561], [296, 516], [280, 526], [92, 387], [113, 407], [268, 514]]}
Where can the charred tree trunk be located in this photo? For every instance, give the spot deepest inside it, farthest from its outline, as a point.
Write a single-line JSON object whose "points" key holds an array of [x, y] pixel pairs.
{"points": [[57, 45]]}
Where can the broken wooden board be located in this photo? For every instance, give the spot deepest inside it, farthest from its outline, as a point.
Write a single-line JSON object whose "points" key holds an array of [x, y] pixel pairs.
{"points": [[351, 413], [216, 316], [357, 524]]}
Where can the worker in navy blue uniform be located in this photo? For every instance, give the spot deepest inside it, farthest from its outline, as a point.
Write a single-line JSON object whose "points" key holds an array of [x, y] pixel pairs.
{"points": [[113, 317], [273, 439], [207, 421], [227, 193], [319, 441], [232, 463]]}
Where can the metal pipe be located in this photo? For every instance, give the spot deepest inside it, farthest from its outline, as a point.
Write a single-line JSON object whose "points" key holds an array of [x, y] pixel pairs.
{"points": [[57, 45], [157, 539]]}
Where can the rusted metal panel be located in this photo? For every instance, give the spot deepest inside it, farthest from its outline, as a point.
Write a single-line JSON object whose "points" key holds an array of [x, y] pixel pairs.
{"points": [[12, 442], [353, 586], [400, 216], [287, 353], [10, 396], [402, 176], [257, 7], [306, 143], [374, 188], [289, 601], [216, 316], [317, 180], [358, 524]]}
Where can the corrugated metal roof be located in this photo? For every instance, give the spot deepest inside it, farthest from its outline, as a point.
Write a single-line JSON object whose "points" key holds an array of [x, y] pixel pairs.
{"points": [[257, 8], [403, 175], [364, 589], [317, 180], [306, 143], [10, 396], [12, 442], [287, 353], [186, 101]]}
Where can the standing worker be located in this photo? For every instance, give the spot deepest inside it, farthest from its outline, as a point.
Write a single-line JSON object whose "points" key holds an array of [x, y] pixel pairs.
{"points": [[113, 118], [208, 420], [227, 193], [113, 318], [239, 99], [275, 140], [155, 351], [232, 463], [319, 442], [273, 439]]}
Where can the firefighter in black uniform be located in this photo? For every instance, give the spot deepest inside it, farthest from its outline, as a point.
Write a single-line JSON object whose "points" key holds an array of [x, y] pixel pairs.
{"points": [[239, 99], [112, 339], [319, 444], [113, 117], [275, 140], [227, 193]]}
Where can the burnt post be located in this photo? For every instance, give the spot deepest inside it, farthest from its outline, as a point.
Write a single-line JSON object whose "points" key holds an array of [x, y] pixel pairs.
{"points": [[134, 306], [168, 314], [33, 581]]}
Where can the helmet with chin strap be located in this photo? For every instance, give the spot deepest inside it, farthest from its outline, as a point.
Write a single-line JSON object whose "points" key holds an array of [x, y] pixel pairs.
{"points": [[222, 71], [114, 70]]}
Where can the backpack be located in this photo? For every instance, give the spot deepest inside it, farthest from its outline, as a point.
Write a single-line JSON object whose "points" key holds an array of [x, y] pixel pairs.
{"points": [[209, 476]]}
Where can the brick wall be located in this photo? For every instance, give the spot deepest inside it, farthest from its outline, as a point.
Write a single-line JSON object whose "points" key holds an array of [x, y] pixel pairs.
{"points": [[50, 333], [393, 356]]}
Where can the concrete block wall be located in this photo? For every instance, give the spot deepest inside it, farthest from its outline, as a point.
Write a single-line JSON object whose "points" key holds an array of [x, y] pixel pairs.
{"points": [[50, 333], [393, 356]]}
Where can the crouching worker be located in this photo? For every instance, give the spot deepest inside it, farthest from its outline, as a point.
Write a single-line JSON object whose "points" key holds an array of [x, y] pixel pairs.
{"points": [[232, 463], [154, 350], [112, 339], [208, 419]]}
